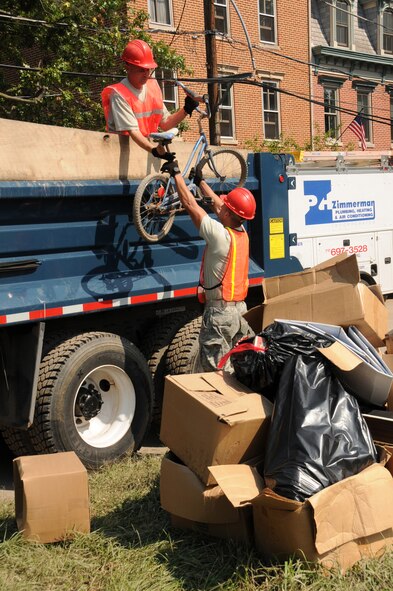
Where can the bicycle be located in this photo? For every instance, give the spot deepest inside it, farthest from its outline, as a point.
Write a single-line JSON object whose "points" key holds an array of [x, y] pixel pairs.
{"points": [[156, 201]]}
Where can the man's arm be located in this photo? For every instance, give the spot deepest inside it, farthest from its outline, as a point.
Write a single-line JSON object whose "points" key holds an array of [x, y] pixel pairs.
{"points": [[141, 140], [188, 201], [216, 201], [173, 120]]}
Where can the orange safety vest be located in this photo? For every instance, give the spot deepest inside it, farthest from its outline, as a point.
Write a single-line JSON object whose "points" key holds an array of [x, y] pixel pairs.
{"points": [[235, 280], [148, 113]]}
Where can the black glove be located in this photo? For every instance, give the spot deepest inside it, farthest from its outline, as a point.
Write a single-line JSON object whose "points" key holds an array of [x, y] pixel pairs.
{"points": [[171, 167], [168, 156], [196, 175], [190, 105]]}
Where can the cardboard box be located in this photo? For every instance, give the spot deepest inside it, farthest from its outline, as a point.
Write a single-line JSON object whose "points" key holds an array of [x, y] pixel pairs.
{"points": [[210, 419], [380, 424], [194, 506], [358, 377], [338, 526], [51, 496], [389, 343], [329, 293]]}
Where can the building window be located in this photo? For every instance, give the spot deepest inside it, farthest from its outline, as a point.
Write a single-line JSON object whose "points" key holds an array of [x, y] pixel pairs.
{"points": [[169, 90], [330, 101], [226, 111], [267, 18], [160, 11], [388, 31], [271, 112], [342, 23], [221, 16], [364, 106]]}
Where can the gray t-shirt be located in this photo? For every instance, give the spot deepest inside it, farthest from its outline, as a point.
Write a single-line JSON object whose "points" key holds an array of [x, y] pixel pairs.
{"points": [[218, 242], [121, 116]]}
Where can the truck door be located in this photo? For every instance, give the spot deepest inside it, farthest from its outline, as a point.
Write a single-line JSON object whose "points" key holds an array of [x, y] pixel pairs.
{"points": [[384, 247], [361, 244]]}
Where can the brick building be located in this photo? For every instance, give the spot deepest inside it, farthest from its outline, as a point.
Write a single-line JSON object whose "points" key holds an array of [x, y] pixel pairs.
{"points": [[352, 49], [279, 36]]}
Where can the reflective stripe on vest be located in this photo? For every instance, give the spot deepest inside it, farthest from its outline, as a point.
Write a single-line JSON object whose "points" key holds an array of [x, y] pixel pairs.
{"points": [[235, 280], [148, 113]]}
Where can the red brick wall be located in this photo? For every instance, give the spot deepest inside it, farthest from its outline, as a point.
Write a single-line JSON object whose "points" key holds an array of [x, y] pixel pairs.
{"points": [[380, 104], [292, 36]]}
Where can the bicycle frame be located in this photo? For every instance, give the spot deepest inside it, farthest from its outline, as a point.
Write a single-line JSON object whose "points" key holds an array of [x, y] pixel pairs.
{"points": [[200, 147]]}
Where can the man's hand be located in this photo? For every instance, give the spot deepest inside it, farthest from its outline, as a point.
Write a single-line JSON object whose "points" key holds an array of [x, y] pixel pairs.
{"points": [[168, 156], [196, 175], [171, 167], [190, 105]]}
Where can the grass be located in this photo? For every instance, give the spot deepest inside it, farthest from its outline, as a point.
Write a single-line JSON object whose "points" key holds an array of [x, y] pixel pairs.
{"points": [[133, 548]]}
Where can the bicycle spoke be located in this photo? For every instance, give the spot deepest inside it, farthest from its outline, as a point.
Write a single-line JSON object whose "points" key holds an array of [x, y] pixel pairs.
{"points": [[229, 168]]}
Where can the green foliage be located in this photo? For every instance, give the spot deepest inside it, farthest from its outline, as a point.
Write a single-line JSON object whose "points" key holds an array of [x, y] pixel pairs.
{"points": [[84, 37], [321, 141], [281, 145]]}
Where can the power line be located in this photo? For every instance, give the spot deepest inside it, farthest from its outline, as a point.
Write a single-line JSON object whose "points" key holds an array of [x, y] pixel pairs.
{"points": [[200, 33], [356, 15]]}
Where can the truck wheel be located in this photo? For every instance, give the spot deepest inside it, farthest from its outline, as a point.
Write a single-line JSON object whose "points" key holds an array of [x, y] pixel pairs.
{"points": [[18, 441], [155, 346], [94, 397], [182, 354]]}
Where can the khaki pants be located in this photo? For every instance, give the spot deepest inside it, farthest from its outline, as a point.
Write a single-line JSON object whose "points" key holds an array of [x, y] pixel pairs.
{"points": [[223, 326]]}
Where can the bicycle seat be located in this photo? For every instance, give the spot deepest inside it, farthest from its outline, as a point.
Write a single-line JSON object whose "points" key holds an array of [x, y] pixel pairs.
{"points": [[164, 136]]}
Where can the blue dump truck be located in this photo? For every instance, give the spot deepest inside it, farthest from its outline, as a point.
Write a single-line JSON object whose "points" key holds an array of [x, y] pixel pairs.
{"points": [[92, 317]]}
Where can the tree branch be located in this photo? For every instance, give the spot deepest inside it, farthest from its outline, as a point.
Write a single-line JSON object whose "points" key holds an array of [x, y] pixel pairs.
{"points": [[20, 99]]}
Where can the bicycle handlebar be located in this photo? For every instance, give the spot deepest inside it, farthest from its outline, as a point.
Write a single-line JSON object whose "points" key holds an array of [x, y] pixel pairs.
{"points": [[200, 99]]}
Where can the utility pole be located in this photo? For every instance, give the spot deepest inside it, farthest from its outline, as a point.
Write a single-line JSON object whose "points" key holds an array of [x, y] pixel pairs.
{"points": [[211, 69]]}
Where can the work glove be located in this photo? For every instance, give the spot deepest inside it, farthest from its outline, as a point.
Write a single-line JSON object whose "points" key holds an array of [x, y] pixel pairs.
{"points": [[168, 156], [171, 167], [196, 175], [190, 105]]}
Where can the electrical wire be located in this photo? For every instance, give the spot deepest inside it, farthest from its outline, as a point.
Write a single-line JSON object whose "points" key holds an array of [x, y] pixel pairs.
{"points": [[225, 37], [179, 23], [356, 15], [221, 80]]}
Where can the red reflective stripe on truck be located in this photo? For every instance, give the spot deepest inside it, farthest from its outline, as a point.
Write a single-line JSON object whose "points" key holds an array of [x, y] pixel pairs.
{"points": [[97, 305], [147, 297], [188, 291], [72, 309]]}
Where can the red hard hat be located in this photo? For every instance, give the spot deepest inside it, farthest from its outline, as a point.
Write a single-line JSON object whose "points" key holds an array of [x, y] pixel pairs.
{"points": [[138, 53], [241, 201]]}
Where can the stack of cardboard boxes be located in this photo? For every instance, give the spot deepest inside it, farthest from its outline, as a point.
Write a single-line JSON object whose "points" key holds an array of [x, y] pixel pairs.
{"points": [[216, 429]]}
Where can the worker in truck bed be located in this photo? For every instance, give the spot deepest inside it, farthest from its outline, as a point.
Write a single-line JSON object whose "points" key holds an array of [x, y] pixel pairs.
{"points": [[223, 282], [135, 105]]}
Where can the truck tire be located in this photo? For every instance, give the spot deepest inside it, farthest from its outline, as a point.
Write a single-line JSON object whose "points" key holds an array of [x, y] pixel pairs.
{"points": [[94, 397], [182, 354], [155, 347], [18, 441]]}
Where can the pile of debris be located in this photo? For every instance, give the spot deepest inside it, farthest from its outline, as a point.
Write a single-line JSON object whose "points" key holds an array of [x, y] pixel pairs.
{"points": [[288, 453]]}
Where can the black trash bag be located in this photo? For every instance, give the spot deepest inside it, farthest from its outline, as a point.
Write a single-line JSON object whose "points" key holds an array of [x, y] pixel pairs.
{"points": [[317, 435], [258, 361]]}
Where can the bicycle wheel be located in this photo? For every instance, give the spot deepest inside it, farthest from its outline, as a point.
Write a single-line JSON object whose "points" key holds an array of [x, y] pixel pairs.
{"points": [[151, 223], [230, 166]]}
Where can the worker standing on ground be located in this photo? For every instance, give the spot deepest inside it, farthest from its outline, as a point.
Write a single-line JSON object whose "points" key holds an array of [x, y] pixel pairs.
{"points": [[135, 105], [223, 283]]}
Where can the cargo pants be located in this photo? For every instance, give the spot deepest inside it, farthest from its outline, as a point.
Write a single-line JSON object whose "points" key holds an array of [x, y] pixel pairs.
{"points": [[222, 327]]}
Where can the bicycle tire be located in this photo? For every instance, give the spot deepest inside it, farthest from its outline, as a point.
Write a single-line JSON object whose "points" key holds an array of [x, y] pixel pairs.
{"points": [[231, 166], [150, 224]]}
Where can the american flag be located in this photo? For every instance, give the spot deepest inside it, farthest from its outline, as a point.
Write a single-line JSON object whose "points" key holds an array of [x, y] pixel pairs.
{"points": [[358, 129]]}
